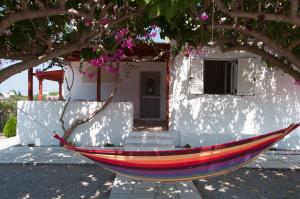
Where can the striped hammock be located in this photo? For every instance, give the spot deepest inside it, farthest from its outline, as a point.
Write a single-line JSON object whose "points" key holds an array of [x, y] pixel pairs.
{"points": [[184, 164]]}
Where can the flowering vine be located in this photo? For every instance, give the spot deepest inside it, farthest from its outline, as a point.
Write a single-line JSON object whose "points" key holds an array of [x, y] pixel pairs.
{"points": [[124, 42]]}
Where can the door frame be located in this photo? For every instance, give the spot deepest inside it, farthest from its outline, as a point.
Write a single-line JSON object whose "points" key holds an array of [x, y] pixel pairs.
{"points": [[160, 94]]}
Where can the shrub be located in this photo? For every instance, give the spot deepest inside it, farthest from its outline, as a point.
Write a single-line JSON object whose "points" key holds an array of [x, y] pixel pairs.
{"points": [[10, 127], [109, 145], [7, 110], [187, 146]]}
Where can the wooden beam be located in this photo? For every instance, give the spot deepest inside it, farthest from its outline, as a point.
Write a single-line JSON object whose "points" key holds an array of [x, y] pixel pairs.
{"points": [[60, 97], [167, 92], [40, 98], [30, 85], [98, 84]]}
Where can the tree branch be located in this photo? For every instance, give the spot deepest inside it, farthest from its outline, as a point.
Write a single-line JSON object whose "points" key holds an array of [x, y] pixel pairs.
{"points": [[276, 62], [40, 4], [258, 36], [69, 88], [29, 63], [294, 8], [47, 42], [293, 44], [97, 111], [291, 19], [31, 14]]}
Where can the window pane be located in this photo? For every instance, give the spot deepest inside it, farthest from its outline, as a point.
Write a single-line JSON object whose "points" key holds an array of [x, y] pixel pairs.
{"points": [[217, 77]]}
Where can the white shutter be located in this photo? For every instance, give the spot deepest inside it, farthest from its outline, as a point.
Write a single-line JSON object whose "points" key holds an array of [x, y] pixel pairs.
{"points": [[196, 85], [246, 76]]}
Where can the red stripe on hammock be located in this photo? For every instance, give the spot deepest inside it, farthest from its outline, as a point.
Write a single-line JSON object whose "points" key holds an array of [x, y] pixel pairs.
{"points": [[209, 160]]}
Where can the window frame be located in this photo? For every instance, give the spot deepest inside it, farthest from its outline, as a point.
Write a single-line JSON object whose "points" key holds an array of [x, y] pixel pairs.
{"points": [[234, 76]]}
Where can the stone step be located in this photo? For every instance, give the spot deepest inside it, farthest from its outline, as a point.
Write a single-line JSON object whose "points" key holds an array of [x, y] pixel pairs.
{"points": [[147, 134], [149, 137], [162, 141]]}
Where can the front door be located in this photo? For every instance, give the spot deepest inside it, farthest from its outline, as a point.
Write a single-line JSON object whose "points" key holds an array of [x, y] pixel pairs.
{"points": [[150, 95]]}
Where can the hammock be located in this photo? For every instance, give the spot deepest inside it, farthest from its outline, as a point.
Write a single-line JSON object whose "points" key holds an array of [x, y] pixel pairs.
{"points": [[184, 164]]}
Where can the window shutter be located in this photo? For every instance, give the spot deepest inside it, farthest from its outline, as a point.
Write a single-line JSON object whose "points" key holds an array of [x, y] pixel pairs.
{"points": [[196, 85], [246, 76]]}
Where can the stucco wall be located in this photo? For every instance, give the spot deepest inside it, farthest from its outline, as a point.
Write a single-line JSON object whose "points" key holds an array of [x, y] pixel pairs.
{"points": [[110, 126], [129, 91], [209, 119]]}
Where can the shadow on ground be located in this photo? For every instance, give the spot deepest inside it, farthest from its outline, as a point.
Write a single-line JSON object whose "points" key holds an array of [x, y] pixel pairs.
{"points": [[54, 181], [252, 183]]}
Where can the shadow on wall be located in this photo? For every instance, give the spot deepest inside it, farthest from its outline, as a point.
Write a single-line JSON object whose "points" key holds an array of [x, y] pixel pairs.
{"points": [[211, 119], [110, 126]]}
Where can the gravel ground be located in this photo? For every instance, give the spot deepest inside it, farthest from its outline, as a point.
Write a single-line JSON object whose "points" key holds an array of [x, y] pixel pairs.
{"points": [[54, 181], [252, 184]]}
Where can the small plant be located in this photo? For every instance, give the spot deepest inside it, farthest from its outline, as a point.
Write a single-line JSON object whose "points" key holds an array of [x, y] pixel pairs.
{"points": [[109, 145], [10, 127], [187, 146]]}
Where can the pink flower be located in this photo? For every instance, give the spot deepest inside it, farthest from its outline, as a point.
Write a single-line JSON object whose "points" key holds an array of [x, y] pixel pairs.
{"points": [[104, 21], [120, 34], [87, 22], [154, 26], [297, 82], [128, 43], [153, 34], [203, 16], [118, 55], [98, 61]]}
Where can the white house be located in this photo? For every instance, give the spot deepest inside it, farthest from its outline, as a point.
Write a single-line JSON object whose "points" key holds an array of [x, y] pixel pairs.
{"points": [[196, 99], [8, 94]]}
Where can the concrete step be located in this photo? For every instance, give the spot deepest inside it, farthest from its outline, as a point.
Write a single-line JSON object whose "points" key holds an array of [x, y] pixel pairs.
{"points": [[147, 147], [148, 141], [154, 140], [148, 134]]}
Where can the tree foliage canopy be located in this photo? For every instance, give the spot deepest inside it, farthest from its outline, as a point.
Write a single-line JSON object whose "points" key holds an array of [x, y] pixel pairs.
{"points": [[35, 31]]}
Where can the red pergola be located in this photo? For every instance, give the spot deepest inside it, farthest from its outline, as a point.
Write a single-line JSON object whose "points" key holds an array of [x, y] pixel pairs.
{"points": [[56, 75]]}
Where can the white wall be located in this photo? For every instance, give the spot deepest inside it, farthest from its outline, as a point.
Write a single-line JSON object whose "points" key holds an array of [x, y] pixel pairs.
{"points": [[110, 126], [209, 119], [129, 91]]}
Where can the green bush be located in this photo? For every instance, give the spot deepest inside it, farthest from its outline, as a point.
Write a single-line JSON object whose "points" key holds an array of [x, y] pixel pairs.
{"points": [[187, 146], [10, 127], [7, 110], [109, 145]]}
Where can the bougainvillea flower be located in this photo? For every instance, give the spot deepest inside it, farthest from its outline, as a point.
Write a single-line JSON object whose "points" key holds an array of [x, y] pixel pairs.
{"points": [[297, 82], [203, 16], [119, 36], [104, 21], [87, 22], [128, 43]]}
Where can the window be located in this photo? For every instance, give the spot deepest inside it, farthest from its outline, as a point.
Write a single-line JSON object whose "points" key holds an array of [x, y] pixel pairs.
{"points": [[235, 77], [219, 77]]}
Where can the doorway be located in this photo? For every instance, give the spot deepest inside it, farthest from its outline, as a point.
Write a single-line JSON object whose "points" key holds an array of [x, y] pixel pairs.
{"points": [[150, 96]]}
